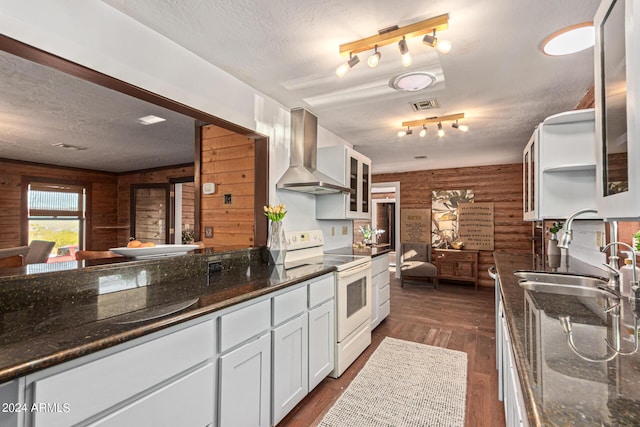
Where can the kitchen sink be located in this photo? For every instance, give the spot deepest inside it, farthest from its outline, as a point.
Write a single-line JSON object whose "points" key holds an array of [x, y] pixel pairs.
{"points": [[562, 289], [561, 279]]}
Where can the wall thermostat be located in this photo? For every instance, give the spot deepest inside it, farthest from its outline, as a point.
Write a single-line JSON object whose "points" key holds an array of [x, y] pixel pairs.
{"points": [[208, 188]]}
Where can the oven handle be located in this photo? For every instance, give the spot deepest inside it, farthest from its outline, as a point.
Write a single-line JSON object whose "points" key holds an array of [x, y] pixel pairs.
{"points": [[354, 270]]}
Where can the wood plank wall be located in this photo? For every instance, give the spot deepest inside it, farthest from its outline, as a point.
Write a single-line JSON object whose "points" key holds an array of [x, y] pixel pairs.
{"points": [[188, 206], [228, 161], [102, 212], [500, 184], [151, 176]]}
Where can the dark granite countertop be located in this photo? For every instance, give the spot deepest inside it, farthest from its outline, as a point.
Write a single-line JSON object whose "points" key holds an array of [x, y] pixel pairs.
{"points": [[48, 318], [559, 387], [368, 251]]}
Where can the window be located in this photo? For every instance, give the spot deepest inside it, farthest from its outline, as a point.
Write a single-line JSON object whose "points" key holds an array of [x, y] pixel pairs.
{"points": [[57, 212]]}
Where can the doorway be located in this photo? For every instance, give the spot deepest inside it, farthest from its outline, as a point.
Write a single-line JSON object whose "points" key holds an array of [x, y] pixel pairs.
{"points": [[385, 197], [150, 212], [385, 219]]}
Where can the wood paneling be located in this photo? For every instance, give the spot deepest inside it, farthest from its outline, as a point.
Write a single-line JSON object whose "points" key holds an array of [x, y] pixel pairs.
{"points": [[188, 205], [155, 176], [228, 160], [500, 184], [101, 189]]}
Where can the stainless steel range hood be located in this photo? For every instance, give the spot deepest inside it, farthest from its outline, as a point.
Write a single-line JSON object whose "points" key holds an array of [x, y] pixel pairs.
{"points": [[302, 175]]}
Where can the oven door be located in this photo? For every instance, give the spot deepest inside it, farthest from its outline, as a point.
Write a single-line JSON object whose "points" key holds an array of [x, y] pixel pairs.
{"points": [[353, 289]]}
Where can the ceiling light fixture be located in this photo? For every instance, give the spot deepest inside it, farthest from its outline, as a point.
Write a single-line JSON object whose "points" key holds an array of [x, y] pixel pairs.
{"points": [[375, 58], [392, 35], [404, 51], [344, 68], [461, 128], [150, 120], [442, 46], [570, 40], [438, 120], [403, 132], [412, 81], [68, 146]]}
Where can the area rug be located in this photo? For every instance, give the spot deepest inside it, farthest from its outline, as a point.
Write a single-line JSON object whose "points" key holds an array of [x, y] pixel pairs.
{"points": [[404, 384]]}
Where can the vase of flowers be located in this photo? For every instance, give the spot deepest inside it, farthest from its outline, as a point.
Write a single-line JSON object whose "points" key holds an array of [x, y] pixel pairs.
{"points": [[276, 240], [553, 251], [370, 234]]}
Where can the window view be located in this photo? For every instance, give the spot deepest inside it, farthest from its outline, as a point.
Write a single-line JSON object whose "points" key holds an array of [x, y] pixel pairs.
{"points": [[57, 214]]}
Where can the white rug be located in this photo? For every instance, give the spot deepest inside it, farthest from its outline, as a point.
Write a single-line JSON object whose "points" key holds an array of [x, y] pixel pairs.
{"points": [[404, 384]]}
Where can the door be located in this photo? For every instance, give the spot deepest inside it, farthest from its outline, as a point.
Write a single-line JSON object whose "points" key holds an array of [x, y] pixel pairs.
{"points": [[353, 299], [150, 212]]}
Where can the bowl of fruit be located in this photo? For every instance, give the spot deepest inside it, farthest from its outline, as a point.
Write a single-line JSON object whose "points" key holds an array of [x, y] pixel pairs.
{"points": [[146, 249]]}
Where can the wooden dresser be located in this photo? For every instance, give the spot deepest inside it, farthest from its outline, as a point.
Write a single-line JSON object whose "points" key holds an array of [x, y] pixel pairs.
{"points": [[454, 264]]}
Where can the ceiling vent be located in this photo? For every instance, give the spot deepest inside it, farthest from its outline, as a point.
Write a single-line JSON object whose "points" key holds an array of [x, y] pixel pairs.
{"points": [[427, 104]]}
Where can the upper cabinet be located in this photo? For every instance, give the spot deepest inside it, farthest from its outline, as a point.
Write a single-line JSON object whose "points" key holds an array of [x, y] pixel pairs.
{"points": [[353, 170], [559, 166], [617, 96]]}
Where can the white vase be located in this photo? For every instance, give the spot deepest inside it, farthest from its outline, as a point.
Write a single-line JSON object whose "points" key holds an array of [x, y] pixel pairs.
{"points": [[277, 243], [553, 254]]}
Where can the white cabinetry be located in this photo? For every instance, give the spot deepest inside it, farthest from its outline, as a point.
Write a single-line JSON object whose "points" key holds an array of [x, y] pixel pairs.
{"points": [[11, 395], [321, 342], [351, 169], [559, 166], [102, 390], [380, 289], [617, 91]]}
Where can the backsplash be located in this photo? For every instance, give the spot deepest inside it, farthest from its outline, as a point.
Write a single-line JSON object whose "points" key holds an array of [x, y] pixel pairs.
{"points": [[584, 245]]}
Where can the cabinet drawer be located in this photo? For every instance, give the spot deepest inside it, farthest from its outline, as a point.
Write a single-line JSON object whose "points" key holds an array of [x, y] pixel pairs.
{"points": [[385, 309], [384, 294], [289, 305], [186, 402], [379, 264], [98, 385], [321, 290], [243, 324]]}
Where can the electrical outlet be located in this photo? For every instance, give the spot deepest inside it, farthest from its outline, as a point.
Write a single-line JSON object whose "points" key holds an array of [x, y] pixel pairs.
{"points": [[208, 232], [345, 230], [599, 242], [227, 199], [333, 231]]}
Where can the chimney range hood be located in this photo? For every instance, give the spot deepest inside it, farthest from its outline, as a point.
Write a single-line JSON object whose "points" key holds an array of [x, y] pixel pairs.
{"points": [[302, 175]]}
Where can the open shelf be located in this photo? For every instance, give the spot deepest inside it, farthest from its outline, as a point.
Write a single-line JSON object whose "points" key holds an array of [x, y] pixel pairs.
{"points": [[571, 167]]}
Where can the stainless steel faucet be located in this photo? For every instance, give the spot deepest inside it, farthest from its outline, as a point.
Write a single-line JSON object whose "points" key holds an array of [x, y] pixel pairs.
{"points": [[635, 289], [567, 236]]}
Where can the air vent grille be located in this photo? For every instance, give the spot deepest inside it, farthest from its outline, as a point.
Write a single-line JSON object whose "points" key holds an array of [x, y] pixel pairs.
{"points": [[427, 104]]}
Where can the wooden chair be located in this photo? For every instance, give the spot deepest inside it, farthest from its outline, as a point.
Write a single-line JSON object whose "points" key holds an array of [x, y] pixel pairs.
{"points": [[11, 261], [81, 255], [416, 263], [39, 251]]}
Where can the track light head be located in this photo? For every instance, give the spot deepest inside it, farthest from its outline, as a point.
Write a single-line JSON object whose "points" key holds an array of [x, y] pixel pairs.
{"points": [[403, 132], [375, 58], [461, 128], [442, 46], [430, 40], [344, 68], [404, 51], [440, 130], [423, 132]]}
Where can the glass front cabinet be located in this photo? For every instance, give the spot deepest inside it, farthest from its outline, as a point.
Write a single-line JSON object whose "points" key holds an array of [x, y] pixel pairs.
{"points": [[351, 169], [617, 95]]}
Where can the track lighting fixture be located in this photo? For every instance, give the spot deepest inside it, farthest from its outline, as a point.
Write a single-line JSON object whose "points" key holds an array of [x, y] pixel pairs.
{"points": [[344, 68], [461, 128], [423, 132], [404, 51], [375, 58], [388, 36], [440, 130], [442, 46]]}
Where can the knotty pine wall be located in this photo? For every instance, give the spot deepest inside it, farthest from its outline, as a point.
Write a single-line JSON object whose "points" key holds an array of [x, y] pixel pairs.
{"points": [[228, 160], [152, 176], [101, 188], [500, 184], [188, 206]]}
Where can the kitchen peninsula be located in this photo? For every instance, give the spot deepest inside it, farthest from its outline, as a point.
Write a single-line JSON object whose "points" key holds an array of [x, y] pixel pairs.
{"points": [[558, 387], [186, 322]]}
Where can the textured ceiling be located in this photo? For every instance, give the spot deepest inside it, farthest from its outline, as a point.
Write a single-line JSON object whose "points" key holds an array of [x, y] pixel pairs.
{"points": [[495, 74]]}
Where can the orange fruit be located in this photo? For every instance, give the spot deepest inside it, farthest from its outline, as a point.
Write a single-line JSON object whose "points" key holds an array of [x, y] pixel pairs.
{"points": [[134, 244], [147, 245]]}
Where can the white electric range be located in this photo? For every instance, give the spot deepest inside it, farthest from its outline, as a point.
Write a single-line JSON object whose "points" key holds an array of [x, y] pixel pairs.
{"points": [[352, 293]]}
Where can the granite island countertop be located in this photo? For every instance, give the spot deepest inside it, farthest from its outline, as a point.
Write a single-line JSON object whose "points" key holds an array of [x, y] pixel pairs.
{"points": [[373, 252], [49, 318], [559, 387]]}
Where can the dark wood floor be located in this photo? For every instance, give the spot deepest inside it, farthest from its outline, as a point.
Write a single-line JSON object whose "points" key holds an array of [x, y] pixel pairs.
{"points": [[453, 316]]}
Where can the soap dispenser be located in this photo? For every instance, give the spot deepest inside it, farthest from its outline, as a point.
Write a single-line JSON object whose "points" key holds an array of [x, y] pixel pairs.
{"points": [[626, 274]]}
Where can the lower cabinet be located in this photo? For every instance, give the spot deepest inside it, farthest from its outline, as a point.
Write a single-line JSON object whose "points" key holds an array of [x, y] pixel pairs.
{"points": [[245, 378], [321, 342], [380, 289]]}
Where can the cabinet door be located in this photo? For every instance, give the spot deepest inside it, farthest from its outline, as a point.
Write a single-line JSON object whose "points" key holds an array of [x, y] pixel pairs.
{"points": [[465, 269], [365, 183], [245, 377], [290, 379], [446, 267], [374, 301], [321, 342], [187, 402], [353, 181]]}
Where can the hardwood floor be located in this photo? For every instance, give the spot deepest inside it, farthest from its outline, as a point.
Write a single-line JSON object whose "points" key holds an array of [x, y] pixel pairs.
{"points": [[454, 316]]}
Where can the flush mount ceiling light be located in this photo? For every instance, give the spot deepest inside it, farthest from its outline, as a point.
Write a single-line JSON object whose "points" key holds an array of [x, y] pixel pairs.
{"points": [[150, 120], [68, 146], [442, 46], [392, 35], [570, 40], [438, 120], [412, 81]]}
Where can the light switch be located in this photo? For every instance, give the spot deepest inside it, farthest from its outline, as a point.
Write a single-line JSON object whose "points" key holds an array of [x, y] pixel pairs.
{"points": [[345, 230], [208, 232]]}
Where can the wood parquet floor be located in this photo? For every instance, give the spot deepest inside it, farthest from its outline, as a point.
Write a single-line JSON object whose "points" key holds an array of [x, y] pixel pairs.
{"points": [[454, 316]]}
